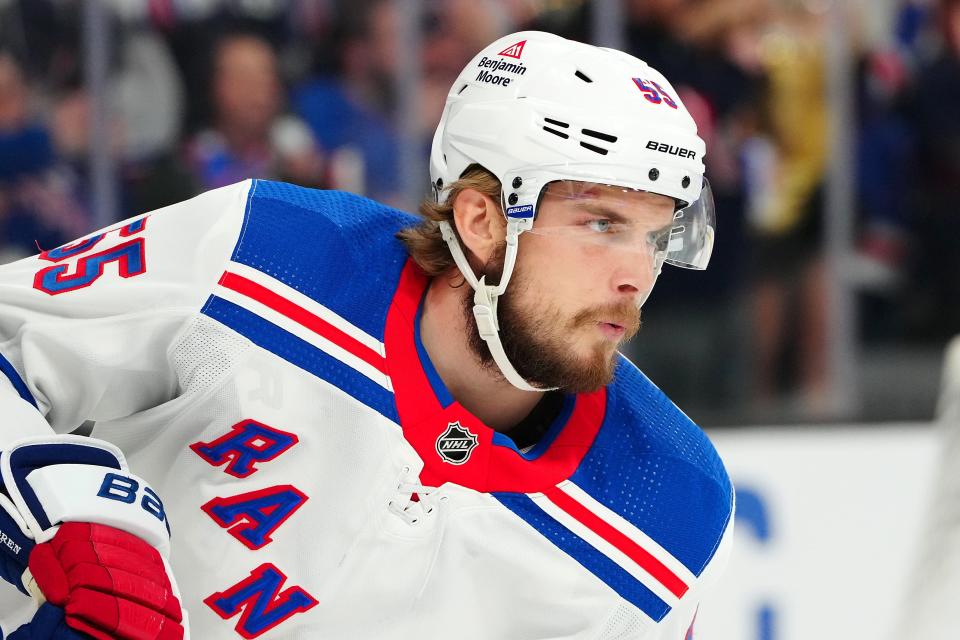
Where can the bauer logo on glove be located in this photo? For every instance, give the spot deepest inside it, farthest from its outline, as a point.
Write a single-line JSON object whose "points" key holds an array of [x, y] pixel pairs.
{"points": [[88, 541]]}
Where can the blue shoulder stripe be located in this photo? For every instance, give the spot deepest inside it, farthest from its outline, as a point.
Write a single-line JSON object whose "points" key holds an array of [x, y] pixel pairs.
{"points": [[628, 587], [680, 494], [336, 248], [7, 369], [302, 354]]}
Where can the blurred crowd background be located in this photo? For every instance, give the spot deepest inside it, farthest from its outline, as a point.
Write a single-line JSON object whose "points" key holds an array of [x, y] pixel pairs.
{"points": [[203, 93]]}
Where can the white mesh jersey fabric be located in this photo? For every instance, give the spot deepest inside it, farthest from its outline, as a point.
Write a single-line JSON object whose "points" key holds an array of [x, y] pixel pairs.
{"points": [[206, 352], [624, 624]]}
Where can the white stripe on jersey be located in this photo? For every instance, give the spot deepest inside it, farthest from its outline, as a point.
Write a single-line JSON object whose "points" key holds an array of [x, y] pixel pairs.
{"points": [[620, 558], [619, 523], [311, 305], [330, 348]]}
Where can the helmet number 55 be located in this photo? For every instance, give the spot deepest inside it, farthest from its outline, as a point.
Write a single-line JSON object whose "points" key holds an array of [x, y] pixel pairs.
{"points": [[654, 92]]}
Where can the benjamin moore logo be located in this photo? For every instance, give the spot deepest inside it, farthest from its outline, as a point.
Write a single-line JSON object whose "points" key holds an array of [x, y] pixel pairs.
{"points": [[514, 50], [455, 444], [492, 71]]}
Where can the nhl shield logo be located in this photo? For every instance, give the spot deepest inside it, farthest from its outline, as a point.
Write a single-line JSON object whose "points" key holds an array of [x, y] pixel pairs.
{"points": [[456, 443]]}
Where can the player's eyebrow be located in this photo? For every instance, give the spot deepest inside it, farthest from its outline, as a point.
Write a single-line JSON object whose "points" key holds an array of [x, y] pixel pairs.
{"points": [[605, 212]]}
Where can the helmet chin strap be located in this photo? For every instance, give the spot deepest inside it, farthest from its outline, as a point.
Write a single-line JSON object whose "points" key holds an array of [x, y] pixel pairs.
{"points": [[485, 298]]}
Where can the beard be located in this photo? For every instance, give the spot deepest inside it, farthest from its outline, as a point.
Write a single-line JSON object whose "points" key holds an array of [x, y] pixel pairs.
{"points": [[536, 336]]}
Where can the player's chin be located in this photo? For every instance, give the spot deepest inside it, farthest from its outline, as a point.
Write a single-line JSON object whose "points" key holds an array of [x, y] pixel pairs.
{"points": [[593, 372], [604, 348]]}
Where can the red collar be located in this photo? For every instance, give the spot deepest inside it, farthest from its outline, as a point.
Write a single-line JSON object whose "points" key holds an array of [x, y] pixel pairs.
{"points": [[454, 444]]}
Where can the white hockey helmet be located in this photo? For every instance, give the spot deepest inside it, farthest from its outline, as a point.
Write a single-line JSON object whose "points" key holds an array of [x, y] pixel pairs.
{"points": [[534, 109]]}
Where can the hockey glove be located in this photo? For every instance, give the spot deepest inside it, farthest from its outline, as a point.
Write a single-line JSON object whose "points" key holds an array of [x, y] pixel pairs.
{"points": [[84, 536]]}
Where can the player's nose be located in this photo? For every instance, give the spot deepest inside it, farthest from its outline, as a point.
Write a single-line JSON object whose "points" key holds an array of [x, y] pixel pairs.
{"points": [[633, 274]]}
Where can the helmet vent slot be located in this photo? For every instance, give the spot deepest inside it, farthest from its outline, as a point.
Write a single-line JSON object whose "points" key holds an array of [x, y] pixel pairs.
{"points": [[462, 88], [583, 76], [606, 137], [594, 148], [556, 122], [558, 133]]}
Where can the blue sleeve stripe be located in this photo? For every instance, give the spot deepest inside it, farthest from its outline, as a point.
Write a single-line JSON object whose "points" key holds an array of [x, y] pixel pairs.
{"points": [[302, 354], [17, 381], [651, 446], [628, 587]]}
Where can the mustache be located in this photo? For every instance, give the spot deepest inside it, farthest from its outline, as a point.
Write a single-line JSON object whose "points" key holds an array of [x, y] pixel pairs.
{"points": [[626, 314]]}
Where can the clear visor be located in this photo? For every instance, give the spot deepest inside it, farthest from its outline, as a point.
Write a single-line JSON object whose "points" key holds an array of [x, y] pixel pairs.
{"points": [[629, 219]]}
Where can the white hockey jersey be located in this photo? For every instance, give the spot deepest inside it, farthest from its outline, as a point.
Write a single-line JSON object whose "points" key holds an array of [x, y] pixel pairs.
{"points": [[255, 353]]}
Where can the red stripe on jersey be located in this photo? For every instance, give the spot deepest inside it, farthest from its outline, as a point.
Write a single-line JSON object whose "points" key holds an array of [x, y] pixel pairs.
{"points": [[635, 552], [303, 317]]}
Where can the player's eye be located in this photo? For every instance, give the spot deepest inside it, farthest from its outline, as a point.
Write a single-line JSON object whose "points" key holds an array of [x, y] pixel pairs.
{"points": [[600, 225]]}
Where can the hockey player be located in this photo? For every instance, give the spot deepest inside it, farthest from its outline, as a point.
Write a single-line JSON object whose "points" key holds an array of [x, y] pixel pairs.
{"points": [[367, 425]]}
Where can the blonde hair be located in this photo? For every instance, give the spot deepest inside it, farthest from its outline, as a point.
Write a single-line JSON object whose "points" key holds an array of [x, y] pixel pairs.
{"points": [[423, 240]]}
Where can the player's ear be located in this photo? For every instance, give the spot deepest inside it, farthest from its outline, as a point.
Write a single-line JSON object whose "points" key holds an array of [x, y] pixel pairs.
{"points": [[479, 222]]}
